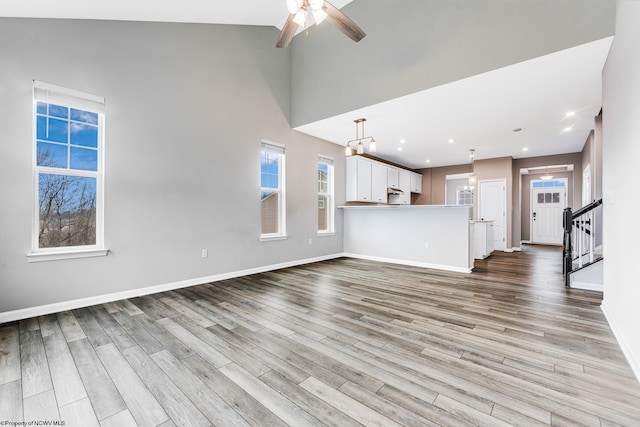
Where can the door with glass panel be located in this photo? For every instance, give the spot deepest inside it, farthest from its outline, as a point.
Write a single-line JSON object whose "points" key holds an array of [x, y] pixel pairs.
{"points": [[548, 200]]}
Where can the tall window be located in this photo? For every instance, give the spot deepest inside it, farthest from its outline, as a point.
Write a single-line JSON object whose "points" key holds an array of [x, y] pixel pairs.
{"points": [[325, 195], [272, 194], [67, 166]]}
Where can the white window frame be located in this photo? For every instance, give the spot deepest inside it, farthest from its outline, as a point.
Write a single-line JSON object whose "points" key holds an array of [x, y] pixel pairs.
{"points": [[464, 194], [330, 195], [282, 210], [52, 94]]}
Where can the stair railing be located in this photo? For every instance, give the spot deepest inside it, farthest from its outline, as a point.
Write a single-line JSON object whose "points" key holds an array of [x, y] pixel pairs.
{"points": [[581, 235]]}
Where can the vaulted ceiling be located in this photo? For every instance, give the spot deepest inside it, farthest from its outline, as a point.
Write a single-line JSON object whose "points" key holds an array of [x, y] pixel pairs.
{"points": [[541, 106]]}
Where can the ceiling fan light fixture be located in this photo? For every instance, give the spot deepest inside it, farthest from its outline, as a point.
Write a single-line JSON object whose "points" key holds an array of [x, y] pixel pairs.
{"points": [[293, 5], [319, 15], [316, 4], [301, 17]]}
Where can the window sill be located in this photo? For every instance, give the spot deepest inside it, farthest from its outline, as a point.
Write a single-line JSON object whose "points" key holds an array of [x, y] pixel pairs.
{"points": [[326, 234], [270, 238], [55, 256]]}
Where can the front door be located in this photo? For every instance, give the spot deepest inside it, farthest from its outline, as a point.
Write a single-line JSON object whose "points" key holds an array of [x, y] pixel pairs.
{"points": [[548, 200], [492, 206]]}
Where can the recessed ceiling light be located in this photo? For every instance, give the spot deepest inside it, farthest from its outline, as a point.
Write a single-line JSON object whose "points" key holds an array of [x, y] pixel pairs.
{"points": [[399, 148], [451, 141], [525, 149], [402, 141], [567, 129], [570, 114], [428, 161], [517, 129]]}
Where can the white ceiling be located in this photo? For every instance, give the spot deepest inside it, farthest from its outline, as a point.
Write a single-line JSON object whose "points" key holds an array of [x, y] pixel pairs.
{"points": [[479, 112], [244, 12]]}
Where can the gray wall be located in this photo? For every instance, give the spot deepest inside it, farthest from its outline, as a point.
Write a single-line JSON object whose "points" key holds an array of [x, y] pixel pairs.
{"points": [[187, 106], [428, 43], [621, 150]]}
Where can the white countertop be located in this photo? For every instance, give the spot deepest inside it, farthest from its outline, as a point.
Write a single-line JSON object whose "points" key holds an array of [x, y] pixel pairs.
{"points": [[403, 206]]}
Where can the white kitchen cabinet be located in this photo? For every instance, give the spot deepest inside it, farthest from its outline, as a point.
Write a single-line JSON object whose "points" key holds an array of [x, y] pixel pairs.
{"points": [[416, 183], [378, 183], [358, 179], [368, 181], [393, 176], [482, 234], [405, 186]]}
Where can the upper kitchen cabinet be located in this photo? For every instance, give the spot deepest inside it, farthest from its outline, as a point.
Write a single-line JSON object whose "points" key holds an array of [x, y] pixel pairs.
{"points": [[393, 178], [416, 183], [369, 180], [358, 179], [378, 183]]}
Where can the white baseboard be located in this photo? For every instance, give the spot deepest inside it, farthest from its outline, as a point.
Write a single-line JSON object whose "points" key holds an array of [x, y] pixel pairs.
{"points": [[25, 313], [586, 286], [410, 263], [634, 360], [516, 249]]}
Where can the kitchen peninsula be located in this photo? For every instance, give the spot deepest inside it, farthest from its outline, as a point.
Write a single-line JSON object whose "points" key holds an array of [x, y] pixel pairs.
{"points": [[431, 236]]}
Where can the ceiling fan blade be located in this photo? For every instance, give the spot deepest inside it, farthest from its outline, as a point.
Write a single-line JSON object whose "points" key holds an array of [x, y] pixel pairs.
{"points": [[287, 33], [343, 23]]}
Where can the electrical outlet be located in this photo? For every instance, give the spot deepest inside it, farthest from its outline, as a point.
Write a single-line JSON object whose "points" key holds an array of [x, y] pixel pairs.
{"points": [[310, 241], [427, 244], [205, 253]]}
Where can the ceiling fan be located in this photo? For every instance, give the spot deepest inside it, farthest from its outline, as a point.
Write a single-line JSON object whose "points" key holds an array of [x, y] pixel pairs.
{"points": [[320, 10]]}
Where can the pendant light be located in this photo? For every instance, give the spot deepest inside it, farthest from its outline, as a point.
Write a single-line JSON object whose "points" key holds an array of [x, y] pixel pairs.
{"points": [[472, 177], [359, 139]]}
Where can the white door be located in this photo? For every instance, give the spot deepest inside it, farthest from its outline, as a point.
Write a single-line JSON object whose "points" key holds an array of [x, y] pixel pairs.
{"points": [[492, 206], [547, 204]]}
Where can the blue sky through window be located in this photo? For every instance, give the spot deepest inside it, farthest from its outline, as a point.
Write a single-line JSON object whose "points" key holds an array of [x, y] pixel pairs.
{"points": [[67, 137], [548, 184]]}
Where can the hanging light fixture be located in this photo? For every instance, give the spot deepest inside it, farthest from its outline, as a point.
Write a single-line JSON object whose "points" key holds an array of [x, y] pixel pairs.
{"points": [[547, 176], [472, 177], [359, 139]]}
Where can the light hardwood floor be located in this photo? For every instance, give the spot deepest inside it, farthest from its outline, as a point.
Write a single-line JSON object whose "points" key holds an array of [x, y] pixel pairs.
{"points": [[343, 342]]}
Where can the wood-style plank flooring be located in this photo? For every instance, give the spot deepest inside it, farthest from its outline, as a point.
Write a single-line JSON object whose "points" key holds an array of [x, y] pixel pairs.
{"points": [[343, 342]]}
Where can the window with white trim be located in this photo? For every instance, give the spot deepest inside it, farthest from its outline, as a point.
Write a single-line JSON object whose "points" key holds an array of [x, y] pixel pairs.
{"points": [[68, 171], [464, 196], [325, 195], [272, 191]]}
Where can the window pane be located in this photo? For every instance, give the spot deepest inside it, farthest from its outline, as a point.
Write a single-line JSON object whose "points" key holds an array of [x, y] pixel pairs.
{"points": [[41, 108], [67, 207], [556, 197], [52, 155], [270, 217], [58, 111], [84, 159], [84, 116], [323, 223], [86, 135], [41, 127], [540, 197], [58, 130], [547, 197]]}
